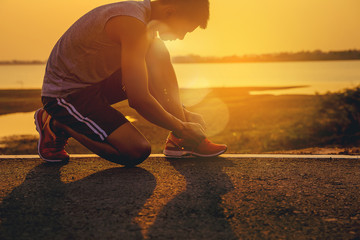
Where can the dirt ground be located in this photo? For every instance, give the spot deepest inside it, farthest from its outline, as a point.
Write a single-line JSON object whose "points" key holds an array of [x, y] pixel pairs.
{"points": [[219, 198]]}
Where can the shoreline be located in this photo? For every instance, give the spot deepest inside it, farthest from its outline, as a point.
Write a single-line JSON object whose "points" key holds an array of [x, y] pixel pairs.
{"points": [[27, 100], [246, 123], [299, 56]]}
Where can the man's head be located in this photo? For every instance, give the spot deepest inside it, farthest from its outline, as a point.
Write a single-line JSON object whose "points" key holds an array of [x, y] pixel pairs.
{"points": [[196, 11], [180, 17]]}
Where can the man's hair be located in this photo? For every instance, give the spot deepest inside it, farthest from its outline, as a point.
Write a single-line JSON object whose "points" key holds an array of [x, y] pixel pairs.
{"points": [[194, 10]]}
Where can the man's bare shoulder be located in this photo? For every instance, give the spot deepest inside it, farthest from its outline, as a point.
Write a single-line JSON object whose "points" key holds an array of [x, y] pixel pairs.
{"points": [[126, 29]]}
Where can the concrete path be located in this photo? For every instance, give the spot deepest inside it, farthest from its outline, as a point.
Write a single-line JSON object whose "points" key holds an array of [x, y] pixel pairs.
{"points": [[231, 197]]}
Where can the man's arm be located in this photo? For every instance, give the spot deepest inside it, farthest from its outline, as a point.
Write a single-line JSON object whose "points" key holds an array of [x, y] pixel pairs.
{"points": [[195, 118], [132, 35]]}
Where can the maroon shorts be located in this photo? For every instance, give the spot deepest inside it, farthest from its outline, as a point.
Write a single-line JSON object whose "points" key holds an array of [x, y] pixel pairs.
{"points": [[88, 111]]}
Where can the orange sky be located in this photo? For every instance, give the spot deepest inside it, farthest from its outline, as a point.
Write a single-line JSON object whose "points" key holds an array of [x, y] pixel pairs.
{"points": [[29, 29]]}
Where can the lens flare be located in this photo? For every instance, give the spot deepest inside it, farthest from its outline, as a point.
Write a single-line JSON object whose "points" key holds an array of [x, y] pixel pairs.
{"points": [[191, 97], [215, 113], [194, 90]]}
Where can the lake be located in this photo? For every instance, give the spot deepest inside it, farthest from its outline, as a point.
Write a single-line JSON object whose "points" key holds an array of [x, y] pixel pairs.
{"points": [[317, 76]]}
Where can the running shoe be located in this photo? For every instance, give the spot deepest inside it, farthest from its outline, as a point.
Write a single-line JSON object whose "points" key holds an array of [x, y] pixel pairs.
{"points": [[51, 147], [179, 148]]}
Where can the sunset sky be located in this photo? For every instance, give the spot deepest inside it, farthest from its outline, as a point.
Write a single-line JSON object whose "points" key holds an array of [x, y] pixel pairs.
{"points": [[29, 29]]}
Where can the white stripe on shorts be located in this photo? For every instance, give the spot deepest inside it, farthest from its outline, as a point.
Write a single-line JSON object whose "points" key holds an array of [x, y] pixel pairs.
{"points": [[91, 124]]}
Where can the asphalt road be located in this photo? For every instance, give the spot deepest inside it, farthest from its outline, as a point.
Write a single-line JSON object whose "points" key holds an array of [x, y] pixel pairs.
{"points": [[219, 198]]}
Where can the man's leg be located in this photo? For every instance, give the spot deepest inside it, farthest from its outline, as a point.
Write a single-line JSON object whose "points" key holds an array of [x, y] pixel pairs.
{"points": [[88, 117], [164, 87], [125, 146]]}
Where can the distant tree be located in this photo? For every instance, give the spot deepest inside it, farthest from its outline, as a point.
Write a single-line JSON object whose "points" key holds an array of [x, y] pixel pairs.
{"points": [[316, 55]]}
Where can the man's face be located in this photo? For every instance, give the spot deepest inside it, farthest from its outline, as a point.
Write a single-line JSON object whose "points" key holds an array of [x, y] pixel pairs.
{"points": [[175, 28]]}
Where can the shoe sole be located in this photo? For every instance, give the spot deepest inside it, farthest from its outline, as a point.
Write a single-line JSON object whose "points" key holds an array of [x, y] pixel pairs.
{"points": [[40, 133], [189, 154]]}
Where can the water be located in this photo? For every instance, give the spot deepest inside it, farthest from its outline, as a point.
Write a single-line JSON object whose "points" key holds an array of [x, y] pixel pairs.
{"points": [[21, 76], [319, 76], [9, 124]]}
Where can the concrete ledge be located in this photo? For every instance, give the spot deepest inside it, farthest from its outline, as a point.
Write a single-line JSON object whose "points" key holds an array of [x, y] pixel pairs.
{"points": [[238, 156]]}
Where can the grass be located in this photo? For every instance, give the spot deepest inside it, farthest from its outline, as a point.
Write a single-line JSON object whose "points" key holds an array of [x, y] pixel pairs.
{"points": [[12, 101], [246, 123]]}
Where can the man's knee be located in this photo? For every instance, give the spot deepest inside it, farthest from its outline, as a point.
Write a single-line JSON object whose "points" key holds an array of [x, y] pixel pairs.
{"points": [[141, 152], [131, 157]]}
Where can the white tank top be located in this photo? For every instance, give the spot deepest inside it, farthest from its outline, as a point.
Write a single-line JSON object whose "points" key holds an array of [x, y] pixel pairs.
{"points": [[84, 55]]}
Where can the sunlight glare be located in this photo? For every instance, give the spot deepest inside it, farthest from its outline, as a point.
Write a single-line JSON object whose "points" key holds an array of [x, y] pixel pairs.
{"points": [[193, 91], [216, 115], [191, 97]]}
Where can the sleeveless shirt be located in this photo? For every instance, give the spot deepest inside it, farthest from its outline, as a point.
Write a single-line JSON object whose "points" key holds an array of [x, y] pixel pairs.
{"points": [[84, 55]]}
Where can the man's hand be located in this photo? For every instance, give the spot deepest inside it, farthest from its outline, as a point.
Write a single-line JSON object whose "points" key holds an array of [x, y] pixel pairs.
{"points": [[195, 118], [192, 132]]}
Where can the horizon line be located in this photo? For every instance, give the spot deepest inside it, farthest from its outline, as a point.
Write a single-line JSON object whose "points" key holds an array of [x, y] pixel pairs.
{"points": [[318, 51]]}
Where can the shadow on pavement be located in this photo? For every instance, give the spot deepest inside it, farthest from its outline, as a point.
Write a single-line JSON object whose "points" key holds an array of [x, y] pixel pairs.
{"points": [[100, 206], [196, 213], [104, 205]]}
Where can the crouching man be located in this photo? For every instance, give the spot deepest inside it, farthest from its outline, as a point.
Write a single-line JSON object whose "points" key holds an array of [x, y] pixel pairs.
{"points": [[110, 54]]}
